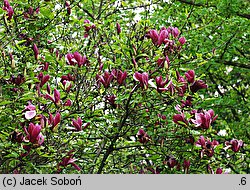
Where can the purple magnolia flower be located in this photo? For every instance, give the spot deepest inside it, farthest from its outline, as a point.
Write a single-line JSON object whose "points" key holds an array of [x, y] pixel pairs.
{"points": [[120, 76], [8, 8], [163, 62], [162, 36], [54, 121], [56, 99], [78, 124], [187, 102], [153, 34], [111, 100], [197, 85], [142, 78], [67, 4], [118, 28], [234, 144], [180, 119], [30, 111], [160, 83], [182, 40], [186, 165], [218, 170], [33, 134], [143, 136], [158, 38], [76, 58], [20, 79], [174, 31], [172, 162], [204, 119], [105, 79], [68, 103], [182, 89], [43, 78], [36, 51], [207, 146], [190, 75], [68, 160]]}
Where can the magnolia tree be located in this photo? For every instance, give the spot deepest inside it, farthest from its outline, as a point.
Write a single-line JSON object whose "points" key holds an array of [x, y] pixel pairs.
{"points": [[87, 93]]}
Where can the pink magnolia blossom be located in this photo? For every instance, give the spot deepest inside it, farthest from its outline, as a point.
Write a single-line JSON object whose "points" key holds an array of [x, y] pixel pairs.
{"points": [[204, 119], [118, 28], [68, 160], [76, 58], [68, 103], [119, 76], [207, 146], [182, 40], [186, 165], [36, 51], [8, 8], [30, 111], [190, 75], [180, 119], [78, 124], [142, 78], [43, 78], [56, 99], [105, 79], [33, 134], [197, 85], [161, 84], [54, 121], [143, 136], [234, 144]]}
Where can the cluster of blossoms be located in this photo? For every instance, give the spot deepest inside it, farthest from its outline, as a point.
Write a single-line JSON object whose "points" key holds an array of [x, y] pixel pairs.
{"points": [[8, 8], [162, 37], [76, 58], [107, 78]]}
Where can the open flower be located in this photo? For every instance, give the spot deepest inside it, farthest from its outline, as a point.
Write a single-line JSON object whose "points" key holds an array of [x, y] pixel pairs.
{"points": [[143, 136], [204, 119], [180, 119], [76, 58], [8, 8], [234, 144], [56, 99], [142, 78], [33, 134], [105, 79], [197, 85], [207, 146], [78, 124], [161, 84], [68, 160], [119, 76], [30, 111], [54, 121], [111, 100]]}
